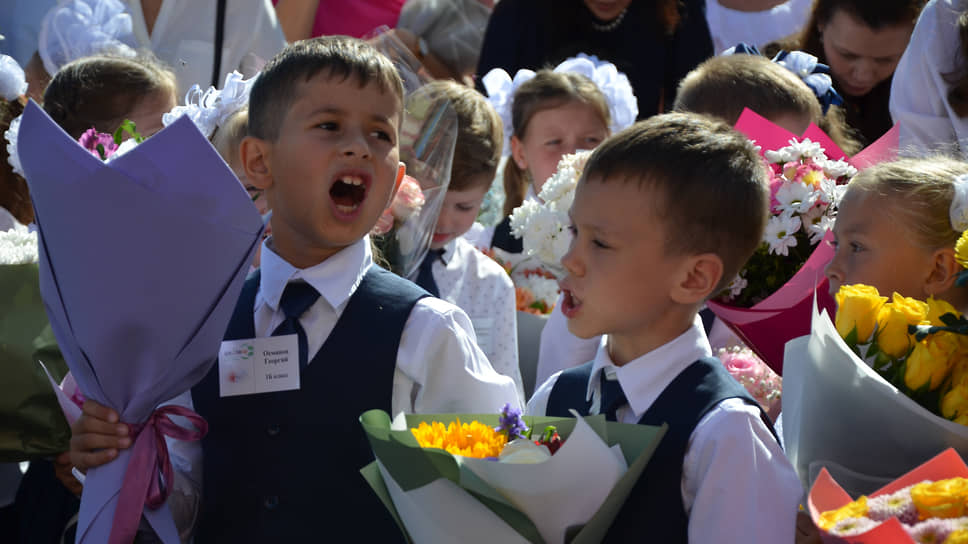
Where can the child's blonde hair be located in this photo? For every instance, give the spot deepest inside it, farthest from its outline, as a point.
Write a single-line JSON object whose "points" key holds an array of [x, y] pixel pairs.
{"points": [[919, 193], [547, 90], [228, 137], [722, 86]]}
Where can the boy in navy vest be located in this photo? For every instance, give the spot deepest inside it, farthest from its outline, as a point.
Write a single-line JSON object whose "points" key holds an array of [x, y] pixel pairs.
{"points": [[665, 214], [283, 466]]}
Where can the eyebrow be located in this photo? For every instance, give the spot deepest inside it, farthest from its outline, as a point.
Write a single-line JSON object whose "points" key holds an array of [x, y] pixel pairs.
{"points": [[333, 110]]}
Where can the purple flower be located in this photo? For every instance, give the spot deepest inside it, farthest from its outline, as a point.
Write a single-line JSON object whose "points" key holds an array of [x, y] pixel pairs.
{"points": [[99, 144], [932, 530], [511, 423]]}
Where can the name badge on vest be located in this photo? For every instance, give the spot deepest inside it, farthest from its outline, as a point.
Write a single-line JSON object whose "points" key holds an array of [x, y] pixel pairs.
{"points": [[258, 365]]}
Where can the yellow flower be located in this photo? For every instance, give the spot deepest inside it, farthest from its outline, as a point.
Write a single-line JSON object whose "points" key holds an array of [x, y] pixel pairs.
{"points": [[961, 250], [812, 178], [855, 509], [858, 305], [472, 439], [892, 324], [941, 499], [957, 537], [937, 308], [954, 403], [931, 361]]}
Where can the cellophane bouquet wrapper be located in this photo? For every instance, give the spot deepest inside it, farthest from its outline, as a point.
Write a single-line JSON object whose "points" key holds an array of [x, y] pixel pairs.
{"points": [[572, 497], [33, 425], [768, 325], [827, 494], [841, 415], [141, 263]]}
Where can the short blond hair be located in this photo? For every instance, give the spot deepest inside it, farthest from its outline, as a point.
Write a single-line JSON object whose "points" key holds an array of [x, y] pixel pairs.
{"points": [[228, 137], [919, 193]]}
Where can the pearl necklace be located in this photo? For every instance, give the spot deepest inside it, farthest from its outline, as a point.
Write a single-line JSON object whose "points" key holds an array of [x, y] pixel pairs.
{"points": [[610, 26]]}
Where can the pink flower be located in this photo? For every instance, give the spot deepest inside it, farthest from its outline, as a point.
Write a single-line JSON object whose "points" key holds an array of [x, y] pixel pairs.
{"points": [[742, 364], [764, 385], [408, 200], [775, 184], [384, 223], [91, 140]]}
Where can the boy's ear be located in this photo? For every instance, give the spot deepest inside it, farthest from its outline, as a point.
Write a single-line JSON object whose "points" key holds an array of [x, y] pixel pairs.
{"points": [[255, 154], [943, 273], [699, 275], [517, 153], [401, 171]]}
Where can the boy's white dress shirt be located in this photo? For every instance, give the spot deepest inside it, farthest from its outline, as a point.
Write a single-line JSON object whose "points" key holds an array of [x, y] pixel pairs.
{"points": [[183, 33], [439, 368], [476, 284], [919, 91], [737, 484]]}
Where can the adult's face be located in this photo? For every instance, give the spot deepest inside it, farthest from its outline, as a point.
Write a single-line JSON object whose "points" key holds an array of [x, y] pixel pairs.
{"points": [[606, 10], [859, 56]]}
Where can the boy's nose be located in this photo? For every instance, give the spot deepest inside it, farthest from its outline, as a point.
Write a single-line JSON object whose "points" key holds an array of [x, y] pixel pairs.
{"points": [[571, 262], [355, 145]]}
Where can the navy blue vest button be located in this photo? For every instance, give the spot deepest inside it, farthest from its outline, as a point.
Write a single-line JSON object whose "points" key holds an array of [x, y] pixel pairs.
{"points": [[273, 430], [271, 502]]}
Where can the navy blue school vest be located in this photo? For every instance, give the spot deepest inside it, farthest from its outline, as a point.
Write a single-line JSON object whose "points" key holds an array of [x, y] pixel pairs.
{"points": [[504, 239], [284, 466], [654, 507]]}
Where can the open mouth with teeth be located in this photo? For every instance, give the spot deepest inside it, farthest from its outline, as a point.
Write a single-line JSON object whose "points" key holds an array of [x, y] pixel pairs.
{"points": [[348, 193]]}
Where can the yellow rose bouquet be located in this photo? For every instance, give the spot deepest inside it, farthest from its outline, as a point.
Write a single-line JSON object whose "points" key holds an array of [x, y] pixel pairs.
{"points": [[880, 388], [928, 504]]}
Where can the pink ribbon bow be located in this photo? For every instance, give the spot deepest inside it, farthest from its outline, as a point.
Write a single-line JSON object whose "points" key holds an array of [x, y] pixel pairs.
{"points": [[143, 486]]}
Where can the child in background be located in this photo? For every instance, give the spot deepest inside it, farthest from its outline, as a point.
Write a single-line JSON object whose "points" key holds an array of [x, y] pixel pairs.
{"points": [[322, 143], [897, 226], [102, 91], [553, 114], [651, 245], [226, 140], [453, 269], [720, 87]]}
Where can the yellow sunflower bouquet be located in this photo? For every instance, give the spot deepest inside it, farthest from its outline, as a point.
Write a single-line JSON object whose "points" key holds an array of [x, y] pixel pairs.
{"points": [[458, 477]]}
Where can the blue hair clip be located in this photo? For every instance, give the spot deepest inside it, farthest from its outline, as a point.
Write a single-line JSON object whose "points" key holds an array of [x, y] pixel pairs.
{"points": [[805, 66]]}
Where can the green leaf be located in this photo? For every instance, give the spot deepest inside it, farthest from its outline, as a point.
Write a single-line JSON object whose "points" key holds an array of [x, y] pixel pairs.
{"points": [[100, 152]]}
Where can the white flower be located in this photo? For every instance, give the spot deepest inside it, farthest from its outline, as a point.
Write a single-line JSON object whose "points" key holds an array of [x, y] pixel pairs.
{"points": [[13, 82], [795, 198], [736, 287], [958, 211], [795, 151], [542, 288], [521, 217], [818, 222], [11, 135], [125, 146], [780, 232], [838, 169], [18, 246]]}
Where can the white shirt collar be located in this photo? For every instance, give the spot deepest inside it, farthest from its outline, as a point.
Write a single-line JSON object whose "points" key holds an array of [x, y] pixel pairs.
{"points": [[336, 278], [450, 249], [644, 378]]}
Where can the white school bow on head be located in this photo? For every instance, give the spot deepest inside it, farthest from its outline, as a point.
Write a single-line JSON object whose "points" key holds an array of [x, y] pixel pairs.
{"points": [[959, 204], [622, 105], [79, 28], [13, 84], [213, 107]]}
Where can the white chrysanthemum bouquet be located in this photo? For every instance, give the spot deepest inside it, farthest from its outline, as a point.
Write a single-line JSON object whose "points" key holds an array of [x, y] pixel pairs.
{"points": [[18, 246], [543, 225], [804, 191]]}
